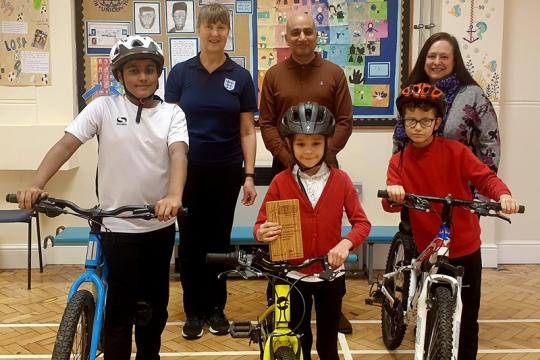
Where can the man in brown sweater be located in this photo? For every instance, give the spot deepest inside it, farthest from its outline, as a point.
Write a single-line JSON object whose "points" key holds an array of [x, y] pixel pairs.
{"points": [[305, 76]]}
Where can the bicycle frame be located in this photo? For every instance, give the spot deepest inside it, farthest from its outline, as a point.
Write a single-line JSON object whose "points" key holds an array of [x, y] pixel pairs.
{"points": [[282, 334], [418, 298], [96, 270], [94, 262], [433, 300], [281, 341]]}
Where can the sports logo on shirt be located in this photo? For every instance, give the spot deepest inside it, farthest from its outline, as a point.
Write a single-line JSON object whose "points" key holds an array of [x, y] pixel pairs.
{"points": [[121, 120], [229, 84]]}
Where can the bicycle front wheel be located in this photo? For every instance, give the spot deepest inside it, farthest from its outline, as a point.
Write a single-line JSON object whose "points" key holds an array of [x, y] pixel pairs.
{"points": [[393, 322], [284, 353], [438, 339], [75, 331]]}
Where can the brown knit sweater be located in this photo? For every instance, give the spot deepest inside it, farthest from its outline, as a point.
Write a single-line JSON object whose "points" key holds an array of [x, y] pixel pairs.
{"points": [[288, 83]]}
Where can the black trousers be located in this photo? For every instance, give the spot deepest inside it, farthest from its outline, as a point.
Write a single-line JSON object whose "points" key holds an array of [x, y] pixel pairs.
{"points": [[327, 297], [470, 296], [210, 195], [139, 266]]}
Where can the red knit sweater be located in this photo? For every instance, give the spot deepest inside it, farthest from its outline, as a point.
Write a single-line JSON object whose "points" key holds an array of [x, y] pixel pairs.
{"points": [[444, 167], [321, 226]]}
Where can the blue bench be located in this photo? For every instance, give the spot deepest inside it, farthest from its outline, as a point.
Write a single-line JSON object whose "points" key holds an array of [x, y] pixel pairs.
{"points": [[243, 235], [377, 235]]}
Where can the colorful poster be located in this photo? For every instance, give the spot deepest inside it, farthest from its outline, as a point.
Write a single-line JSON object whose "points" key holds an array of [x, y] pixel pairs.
{"points": [[349, 34], [24, 35]]}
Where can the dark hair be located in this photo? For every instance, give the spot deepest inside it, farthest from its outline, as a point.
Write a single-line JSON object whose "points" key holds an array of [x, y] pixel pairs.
{"points": [[418, 74], [422, 105]]}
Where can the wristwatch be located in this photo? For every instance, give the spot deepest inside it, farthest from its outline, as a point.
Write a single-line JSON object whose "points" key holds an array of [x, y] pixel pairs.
{"points": [[251, 175]]}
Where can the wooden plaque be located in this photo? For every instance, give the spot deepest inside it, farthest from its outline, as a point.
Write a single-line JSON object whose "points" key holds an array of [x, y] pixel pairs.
{"points": [[289, 244]]}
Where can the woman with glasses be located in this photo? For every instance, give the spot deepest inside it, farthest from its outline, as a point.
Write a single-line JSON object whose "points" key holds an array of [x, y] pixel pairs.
{"points": [[470, 117]]}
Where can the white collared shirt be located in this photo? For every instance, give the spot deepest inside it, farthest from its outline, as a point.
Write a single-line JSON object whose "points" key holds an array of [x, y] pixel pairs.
{"points": [[313, 184]]}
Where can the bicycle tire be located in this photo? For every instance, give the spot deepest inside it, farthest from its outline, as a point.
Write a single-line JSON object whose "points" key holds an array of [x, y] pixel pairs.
{"points": [[284, 353], [75, 331], [392, 319], [439, 337]]}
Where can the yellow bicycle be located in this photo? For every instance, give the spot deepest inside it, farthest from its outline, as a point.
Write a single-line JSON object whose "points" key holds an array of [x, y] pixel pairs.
{"points": [[272, 330]]}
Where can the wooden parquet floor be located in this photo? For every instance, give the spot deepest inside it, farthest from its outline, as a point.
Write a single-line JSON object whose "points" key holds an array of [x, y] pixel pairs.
{"points": [[509, 328]]}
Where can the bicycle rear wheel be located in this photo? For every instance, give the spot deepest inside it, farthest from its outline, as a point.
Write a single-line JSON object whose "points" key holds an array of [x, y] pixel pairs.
{"points": [[75, 331], [393, 322], [438, 339]]}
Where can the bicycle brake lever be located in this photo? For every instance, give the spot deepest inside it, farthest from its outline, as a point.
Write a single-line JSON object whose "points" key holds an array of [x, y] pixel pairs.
{"points": [[505, 218], [247, 274]]}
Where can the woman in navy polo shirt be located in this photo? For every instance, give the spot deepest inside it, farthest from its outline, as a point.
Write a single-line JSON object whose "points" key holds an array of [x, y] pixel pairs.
{"points": [[218, 98]]}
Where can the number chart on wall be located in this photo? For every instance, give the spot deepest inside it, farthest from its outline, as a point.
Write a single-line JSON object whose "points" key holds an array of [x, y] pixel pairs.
{"points": [[364, 37]]}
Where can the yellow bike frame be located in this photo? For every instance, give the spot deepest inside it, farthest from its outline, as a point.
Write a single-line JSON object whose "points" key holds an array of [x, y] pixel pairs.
{"points": [[282, 334]]}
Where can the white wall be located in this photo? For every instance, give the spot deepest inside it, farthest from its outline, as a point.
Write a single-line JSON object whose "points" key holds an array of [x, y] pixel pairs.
{"points": [[365, 157]]}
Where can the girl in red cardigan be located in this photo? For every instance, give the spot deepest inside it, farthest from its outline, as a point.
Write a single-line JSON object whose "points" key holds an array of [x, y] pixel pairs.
{"points": [[323, 193]]}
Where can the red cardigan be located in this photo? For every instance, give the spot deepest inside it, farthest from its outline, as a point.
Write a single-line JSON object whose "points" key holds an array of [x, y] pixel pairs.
{"points": [[444, 167], [321, 226]]}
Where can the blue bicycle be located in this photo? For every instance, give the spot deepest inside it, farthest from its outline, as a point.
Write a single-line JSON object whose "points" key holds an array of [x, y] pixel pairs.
{"points": [[79, 334]]}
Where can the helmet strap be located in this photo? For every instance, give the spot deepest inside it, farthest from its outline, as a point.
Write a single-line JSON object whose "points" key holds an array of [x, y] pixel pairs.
{"points": [[140, 102]]}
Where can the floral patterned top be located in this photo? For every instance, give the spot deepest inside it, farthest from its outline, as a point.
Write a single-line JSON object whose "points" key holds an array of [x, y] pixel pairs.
{"points": [[472, 121]]}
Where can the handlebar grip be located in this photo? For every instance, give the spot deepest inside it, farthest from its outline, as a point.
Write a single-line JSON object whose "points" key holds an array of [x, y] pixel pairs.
{"points": [[497, 207], [382, 194], [11, 198], [223, 259]]}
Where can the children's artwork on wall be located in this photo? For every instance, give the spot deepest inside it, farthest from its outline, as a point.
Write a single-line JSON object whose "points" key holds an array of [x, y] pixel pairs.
{"points": [[147, 17], [351, 34], [24, 34], [180, 16], [182, 49]]}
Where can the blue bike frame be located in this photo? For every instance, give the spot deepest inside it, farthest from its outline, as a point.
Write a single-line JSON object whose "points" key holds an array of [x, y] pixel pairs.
{"points": [[94, 261]]}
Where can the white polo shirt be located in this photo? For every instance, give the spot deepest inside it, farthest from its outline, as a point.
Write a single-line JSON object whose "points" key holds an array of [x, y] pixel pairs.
{"points": [[133, 160]]}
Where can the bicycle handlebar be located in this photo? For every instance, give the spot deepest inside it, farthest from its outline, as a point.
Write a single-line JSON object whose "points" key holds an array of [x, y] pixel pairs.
{"points": [[259, 261], [480, 207], [53, 207]]}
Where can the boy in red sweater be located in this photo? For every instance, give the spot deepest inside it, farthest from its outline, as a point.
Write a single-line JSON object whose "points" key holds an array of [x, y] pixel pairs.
{"points": [[323, 192], [436, 166]]}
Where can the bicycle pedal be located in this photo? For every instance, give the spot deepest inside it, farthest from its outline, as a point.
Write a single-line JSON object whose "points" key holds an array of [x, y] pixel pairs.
{"points": [[376, 298], [241, 329]]}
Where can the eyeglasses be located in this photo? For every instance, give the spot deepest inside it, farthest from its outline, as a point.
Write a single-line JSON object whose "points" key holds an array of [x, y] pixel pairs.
{"points": [[411, 123]]}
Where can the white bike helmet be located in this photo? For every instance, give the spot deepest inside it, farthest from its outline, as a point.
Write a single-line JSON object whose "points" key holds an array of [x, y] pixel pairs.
{"points": [[135, 47]]}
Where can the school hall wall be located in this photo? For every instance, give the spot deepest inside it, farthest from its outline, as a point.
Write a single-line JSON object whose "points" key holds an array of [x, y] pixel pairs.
{"points": [[33, 118]]}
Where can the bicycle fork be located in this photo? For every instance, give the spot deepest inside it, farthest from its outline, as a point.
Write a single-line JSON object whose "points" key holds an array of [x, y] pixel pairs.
{"points": [[422, 310], [94, 261]]}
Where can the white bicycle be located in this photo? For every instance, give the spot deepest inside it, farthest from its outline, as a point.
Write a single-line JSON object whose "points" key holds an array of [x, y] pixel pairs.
{"points": [[425, 290]]}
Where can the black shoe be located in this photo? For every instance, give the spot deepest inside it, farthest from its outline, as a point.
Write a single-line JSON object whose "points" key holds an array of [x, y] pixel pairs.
{"points": [[218, 323], [344, 326], [193, 328]]}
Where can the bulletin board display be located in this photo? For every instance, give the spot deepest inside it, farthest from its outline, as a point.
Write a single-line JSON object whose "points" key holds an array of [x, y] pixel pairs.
{"points": [[24, 43], [364, 37], [171, 23]]}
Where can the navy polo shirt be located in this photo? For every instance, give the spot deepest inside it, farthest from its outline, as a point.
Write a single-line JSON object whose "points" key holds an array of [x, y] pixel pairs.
{"points": [[212, 104]]}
